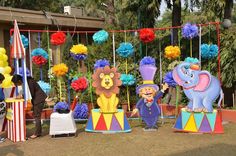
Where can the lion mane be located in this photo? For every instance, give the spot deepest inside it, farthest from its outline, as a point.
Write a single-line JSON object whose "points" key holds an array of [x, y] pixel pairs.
{"points": [[97, 81]]}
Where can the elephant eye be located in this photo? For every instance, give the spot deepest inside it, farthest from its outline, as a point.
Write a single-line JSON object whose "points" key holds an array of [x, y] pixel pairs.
{"points": [[192, 75], [185, 72]]}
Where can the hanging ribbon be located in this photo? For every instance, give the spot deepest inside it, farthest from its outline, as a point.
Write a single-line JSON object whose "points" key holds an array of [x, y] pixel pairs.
{"points": [[114, 49], [30, 58], [41, 68], [68, 90], [127, 87], [49, 56], [160, 61], [200, 42], [177, 101], [191, 48], [59, 84]]}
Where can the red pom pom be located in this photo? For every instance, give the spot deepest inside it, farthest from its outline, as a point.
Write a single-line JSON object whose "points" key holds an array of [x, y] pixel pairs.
{"points": [[146, 35], [39, 60], [58, 38], [80, 85]]}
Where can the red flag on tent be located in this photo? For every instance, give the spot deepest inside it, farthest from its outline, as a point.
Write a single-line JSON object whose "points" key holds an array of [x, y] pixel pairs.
{"points": [[17, 49]]}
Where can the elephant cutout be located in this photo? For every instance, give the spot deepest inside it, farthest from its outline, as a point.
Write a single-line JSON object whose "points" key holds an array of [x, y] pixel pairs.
{"points": [[201, 88]]}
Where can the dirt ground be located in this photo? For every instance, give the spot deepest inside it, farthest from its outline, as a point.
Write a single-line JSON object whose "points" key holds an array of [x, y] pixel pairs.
{"points": [[137, 143]]}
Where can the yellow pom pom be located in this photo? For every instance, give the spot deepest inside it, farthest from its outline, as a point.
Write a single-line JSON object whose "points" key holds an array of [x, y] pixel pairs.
{"points": [[4, 57], [79, 49], [7, 70], [60, 69], [7, 83], [1, 63], [172, 52], [2, 50]]}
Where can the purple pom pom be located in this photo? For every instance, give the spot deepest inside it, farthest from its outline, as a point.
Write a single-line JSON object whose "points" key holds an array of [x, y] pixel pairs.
{"points": [[148, 61], [78, 57], [101, 63], [81, 111], [168, 78], [61, 106], [190, 31]]}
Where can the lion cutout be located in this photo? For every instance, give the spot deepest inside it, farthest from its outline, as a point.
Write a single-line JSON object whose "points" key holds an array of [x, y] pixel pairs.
{"points": [[106, 82]]}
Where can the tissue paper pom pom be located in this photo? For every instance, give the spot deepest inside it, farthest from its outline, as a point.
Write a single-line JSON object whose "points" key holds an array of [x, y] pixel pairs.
{"points": [[45, 86], [191, 60], [101, 63], [24, 40], [2, 50], [39, 60], [79, 49], [190, 31], [81, 111], [21, 73], [146, 35], [80, 84], [60, 69], [58, 38], [172, 52], [78, 57], [148, 61], [125, 49], [168, 78], [7, 83], [209, 51], [60, 106], [127, 79], [39, 52], [100, 36]]}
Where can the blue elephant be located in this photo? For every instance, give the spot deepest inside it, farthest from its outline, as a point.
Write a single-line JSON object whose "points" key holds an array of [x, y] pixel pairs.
{"points": [[201, 88]]}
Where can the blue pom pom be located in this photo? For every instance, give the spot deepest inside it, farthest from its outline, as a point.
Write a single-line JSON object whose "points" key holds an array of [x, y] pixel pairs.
{"points": [[101, 63], [148, 61], [168, 78], [209, 51], [81, 111], [78, 57], [21, 73], [190, 31], [24, 40], [100, 36], [39, 52], [45, 86], [127, 79], [191, 60], [125, 49], [60, 106]]}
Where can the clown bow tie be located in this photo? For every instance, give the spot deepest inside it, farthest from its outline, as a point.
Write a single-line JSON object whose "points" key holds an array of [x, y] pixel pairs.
{"points": [[149, 101]]}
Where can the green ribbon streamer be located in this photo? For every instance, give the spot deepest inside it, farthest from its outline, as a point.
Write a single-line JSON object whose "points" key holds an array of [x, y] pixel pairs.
{"points": [[191, 48], [177, 101]]}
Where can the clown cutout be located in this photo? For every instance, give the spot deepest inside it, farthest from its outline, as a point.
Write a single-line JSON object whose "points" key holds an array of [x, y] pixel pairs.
{"points": [[147, 106]]}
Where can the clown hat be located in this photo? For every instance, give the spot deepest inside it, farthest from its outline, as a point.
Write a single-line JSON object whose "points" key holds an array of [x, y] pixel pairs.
{"points": [[147, 70]]}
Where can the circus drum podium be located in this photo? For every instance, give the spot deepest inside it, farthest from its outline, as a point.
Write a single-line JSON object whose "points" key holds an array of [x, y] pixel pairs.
{"points": [[199, 122], [107, 119], [16, 127]]}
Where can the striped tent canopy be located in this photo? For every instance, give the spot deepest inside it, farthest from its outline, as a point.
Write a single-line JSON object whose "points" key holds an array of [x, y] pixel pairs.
{"points": [[18, 50]]}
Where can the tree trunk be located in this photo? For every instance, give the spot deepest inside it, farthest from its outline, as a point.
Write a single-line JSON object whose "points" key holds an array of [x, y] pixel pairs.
{"points": [[176, 19], [228, 9]]}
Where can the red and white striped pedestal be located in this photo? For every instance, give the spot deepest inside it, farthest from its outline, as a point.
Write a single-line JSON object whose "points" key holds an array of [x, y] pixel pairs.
{"points": [[16, 127]]}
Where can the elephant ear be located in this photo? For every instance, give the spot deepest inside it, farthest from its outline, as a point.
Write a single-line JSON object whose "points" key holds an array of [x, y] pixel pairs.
{"points": [[176, 77], [204, 81]]}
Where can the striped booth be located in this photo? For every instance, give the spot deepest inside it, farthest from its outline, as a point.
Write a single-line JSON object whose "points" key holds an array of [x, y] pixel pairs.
{"points": [[16, 126]]}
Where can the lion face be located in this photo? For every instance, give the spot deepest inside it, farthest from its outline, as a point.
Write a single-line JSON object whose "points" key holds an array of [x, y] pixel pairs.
{"points": [[106, 81]]}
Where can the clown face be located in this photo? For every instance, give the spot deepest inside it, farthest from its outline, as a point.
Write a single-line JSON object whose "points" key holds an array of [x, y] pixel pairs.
{"points": [[147, 93]]}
